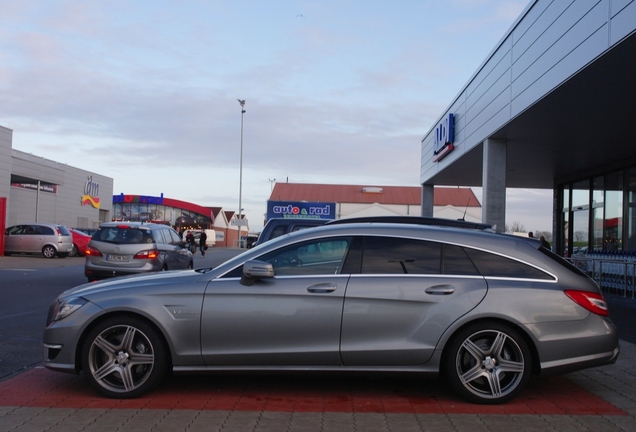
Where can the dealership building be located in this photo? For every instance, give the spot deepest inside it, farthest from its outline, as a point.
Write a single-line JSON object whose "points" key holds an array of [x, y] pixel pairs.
{"points": [[551, 107]]}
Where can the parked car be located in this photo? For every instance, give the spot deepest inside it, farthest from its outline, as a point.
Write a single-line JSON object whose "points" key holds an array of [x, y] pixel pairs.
{"points": [[277, 227], [50, 240], [80, 243], [484, 310], [89, 231], [125, 248]]}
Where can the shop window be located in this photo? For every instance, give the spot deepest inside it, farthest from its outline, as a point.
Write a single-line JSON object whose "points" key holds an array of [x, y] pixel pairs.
{"points": [[614, 211]]}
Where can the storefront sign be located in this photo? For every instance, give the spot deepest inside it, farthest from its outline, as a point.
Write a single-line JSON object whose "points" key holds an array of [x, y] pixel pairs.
{"points": [[301, 210], [444, 137], [121, 198], [91, 190], [49, 188]]}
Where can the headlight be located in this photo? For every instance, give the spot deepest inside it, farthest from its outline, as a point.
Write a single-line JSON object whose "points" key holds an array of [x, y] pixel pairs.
{"points": [[62, 309]]}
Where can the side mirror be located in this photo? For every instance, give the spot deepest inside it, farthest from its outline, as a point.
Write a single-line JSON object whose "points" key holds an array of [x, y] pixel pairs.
{"points": [[254, 270]]}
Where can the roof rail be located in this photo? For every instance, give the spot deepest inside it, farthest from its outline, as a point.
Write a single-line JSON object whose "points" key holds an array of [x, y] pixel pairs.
{"points": [[417, 220]]}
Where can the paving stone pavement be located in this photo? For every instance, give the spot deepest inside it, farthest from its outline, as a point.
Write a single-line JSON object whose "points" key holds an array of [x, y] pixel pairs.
{"points": [[600, 399]]}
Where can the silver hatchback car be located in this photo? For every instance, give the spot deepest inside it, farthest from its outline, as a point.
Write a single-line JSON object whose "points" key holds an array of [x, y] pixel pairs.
{"points": [[50, 240], [125, 248], [485, 310]]}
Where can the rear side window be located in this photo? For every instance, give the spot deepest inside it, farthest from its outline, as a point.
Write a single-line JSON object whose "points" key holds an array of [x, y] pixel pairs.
{"points": [[493, 265], [161, 236], [63, 230]]}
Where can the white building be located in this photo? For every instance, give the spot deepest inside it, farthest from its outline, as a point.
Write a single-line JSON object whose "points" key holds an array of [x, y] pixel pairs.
{"points": [[551, 107]]}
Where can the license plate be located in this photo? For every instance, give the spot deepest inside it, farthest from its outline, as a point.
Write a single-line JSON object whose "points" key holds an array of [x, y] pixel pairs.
{"points": [[117, 258]]}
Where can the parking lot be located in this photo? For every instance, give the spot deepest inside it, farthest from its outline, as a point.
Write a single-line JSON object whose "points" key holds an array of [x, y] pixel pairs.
{"points": [[601, 399]]}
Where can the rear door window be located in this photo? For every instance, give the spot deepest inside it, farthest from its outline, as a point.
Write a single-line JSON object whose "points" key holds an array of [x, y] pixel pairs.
{"points": [[391, 255], [40, 229]]}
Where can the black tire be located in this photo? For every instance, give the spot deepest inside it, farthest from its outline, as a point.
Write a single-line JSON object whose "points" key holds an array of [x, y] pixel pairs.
{"points": [[74, 252], [488, 363], [190, 265], [49, 251], [124, 357]]}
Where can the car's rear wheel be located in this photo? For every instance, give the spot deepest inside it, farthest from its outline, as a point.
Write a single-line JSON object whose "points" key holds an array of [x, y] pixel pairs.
{"points": [[124, 357], [49, 251], [488, 363]]}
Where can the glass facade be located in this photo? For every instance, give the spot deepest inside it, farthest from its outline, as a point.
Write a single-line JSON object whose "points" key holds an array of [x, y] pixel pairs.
{"points": [[178, 218], [598, 213]]}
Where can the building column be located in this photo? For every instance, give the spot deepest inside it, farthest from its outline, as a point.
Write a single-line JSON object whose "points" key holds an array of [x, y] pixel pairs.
{"points": [[427, 200], [493, 209]]}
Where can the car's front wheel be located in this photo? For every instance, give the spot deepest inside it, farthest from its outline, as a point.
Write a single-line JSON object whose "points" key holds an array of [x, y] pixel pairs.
{"points": [[124, 357], [74, 252], [488, 363]]}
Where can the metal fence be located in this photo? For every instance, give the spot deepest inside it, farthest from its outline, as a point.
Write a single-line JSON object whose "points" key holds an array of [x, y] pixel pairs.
{"points": [[614, 271]]}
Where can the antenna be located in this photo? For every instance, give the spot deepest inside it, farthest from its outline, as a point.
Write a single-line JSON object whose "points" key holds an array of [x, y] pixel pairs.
{"points": [[465, 210]]}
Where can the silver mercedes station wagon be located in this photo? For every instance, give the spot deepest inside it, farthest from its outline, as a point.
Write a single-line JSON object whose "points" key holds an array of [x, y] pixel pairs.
{"points": [[484, 310]]}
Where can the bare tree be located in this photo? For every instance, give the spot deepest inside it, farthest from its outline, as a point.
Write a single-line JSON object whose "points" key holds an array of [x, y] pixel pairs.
{"points": [[580, 236], [516, 227]]}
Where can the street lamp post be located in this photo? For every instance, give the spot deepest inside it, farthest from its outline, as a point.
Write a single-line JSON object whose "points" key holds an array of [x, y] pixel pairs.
{"points": [[240, 221]]}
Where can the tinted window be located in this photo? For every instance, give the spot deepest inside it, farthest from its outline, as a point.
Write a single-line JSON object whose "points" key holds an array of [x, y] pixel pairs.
{"points": [[278, 231], [123, 235], [320, 256], [456, 262], [493, 265], [64, 231], [40, 230], [389, 255], [174, 237]]}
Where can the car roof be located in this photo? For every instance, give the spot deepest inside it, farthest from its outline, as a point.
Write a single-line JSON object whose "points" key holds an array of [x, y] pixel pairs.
{"points": [[132, 224], [416, 220]]}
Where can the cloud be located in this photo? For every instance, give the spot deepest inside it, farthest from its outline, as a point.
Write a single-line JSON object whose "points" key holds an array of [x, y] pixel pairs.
{"points": [[146, 92]]}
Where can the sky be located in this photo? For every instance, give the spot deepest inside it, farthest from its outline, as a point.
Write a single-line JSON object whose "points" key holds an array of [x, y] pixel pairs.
{"points": [[337, 91]]}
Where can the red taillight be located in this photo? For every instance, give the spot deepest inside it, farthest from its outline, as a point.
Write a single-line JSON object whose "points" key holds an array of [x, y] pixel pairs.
{"points": [[91, 251], [594, 302], [148, 254]]}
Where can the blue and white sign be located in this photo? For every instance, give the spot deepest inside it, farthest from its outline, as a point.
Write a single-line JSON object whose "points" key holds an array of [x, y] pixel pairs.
{"points": [[444, 137], [301, 210]]}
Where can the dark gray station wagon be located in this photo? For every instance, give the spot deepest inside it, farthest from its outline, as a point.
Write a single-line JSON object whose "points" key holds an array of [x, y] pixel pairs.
{"points": [[485, 310]]}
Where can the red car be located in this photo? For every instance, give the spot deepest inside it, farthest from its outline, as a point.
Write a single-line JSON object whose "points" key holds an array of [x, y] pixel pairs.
{"points": [[80, 243]]}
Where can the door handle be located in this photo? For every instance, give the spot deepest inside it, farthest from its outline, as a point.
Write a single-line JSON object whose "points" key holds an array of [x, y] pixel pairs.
{"points": [[440, 290], [322, 288]]}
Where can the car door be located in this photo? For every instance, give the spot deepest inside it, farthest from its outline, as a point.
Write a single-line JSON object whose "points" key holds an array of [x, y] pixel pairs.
{"points": [[14, 238], [293, 318], [403, 300], [179, 256]]}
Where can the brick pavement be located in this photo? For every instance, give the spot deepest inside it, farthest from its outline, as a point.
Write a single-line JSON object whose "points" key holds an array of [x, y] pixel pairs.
{"points": [[600, 399]]}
